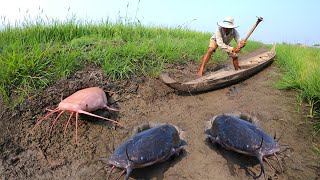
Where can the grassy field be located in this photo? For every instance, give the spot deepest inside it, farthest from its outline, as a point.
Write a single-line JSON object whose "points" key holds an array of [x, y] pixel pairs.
{"points": [[301, 71], [36, 54]]}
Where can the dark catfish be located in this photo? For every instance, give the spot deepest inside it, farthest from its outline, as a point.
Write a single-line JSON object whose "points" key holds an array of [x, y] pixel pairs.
{"points": [[244, 137], [150, 146]]}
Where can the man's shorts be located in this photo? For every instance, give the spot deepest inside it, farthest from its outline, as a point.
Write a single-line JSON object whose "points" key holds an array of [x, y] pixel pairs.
{"points": [[213, 44]]}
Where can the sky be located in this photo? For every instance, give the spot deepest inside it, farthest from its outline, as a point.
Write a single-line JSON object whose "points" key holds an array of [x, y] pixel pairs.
{"points": [[289, 21]]}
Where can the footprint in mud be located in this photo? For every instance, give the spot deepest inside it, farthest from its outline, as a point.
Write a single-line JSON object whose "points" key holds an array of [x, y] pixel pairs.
{"points": [[235, 89]]}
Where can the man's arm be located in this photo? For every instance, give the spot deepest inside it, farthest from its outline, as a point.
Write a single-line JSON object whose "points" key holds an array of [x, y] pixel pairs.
{"points": [[240, 43]]}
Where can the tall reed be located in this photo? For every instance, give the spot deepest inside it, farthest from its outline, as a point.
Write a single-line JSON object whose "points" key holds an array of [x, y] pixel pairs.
{"points": [[301, 68]]}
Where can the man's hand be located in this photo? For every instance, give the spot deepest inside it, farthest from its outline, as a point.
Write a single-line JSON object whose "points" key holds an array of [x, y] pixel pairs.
{"points": [[239, 47], [242, 44], [236, 49]]}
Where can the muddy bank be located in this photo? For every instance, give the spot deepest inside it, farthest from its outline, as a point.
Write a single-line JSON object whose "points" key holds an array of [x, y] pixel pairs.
{"points": [[40, 154]]}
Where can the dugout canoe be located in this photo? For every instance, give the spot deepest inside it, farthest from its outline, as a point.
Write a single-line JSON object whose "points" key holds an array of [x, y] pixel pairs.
{"points": [[223, 77]]}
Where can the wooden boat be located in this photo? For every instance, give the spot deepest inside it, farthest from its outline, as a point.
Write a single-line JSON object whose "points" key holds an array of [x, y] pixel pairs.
{"points": [[223, 77]]}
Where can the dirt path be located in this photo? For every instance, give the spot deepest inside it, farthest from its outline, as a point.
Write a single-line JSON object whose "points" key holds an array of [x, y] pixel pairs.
{"points": [[38, 154]]}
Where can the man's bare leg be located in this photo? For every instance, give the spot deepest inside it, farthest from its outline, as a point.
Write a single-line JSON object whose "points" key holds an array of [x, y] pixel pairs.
{"points": [[235, 63], [205, 59]]}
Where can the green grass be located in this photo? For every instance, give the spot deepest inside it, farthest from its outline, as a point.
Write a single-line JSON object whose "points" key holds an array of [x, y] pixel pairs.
{"points": [[301, 71], [36, 53]]}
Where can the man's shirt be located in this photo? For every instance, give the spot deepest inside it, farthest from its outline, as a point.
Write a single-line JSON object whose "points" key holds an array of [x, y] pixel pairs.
{"points": [[224, 40]]}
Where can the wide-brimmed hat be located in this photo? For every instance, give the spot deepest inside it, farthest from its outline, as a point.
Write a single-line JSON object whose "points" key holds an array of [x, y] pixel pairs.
{"points": [[228, 22]]}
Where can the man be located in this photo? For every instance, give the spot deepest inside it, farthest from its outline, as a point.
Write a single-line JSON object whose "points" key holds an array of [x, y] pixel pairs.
{"points": [[222, 37]]}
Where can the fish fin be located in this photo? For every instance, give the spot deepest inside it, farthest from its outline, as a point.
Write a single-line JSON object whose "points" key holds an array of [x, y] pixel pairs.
{"points": [[90, 114], [110, 108], [262, 167], [213, 139], [129, 170], [260, 158], [208, 124], [178, 150]]}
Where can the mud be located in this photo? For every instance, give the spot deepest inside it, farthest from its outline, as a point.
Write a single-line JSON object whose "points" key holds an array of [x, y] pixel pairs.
{"points": [[40, 154]]}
